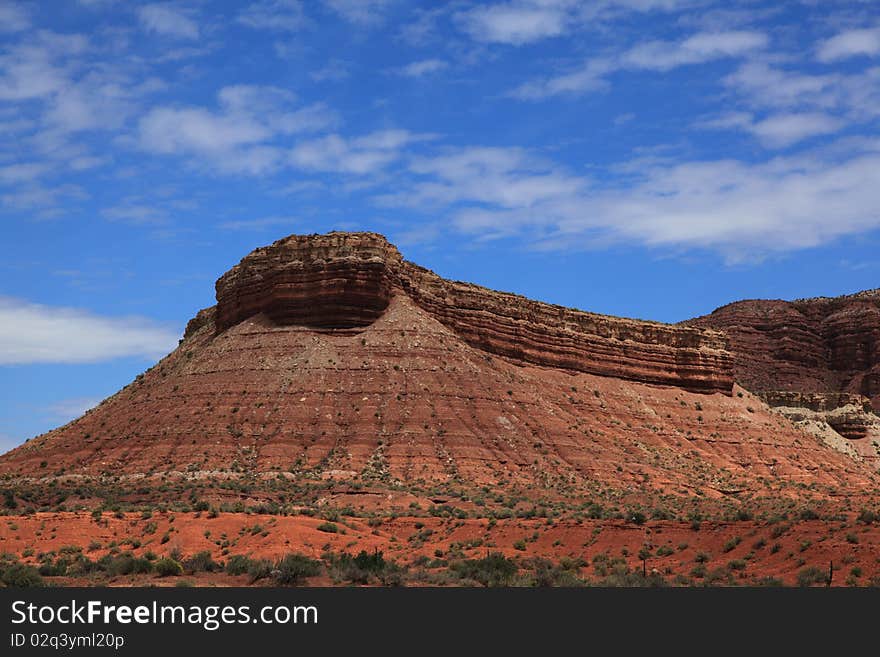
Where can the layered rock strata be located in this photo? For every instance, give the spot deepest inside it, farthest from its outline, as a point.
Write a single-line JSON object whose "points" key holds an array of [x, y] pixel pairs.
{"points": [[822, 345], [346, 280]]}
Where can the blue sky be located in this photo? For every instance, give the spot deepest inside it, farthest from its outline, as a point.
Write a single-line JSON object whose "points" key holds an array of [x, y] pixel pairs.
{"points": [[645, 158]]}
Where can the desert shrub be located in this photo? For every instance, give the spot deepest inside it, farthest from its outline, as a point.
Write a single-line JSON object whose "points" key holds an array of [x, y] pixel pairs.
{"points": [[731, 544], [294, 569], [809, 514], [201, 562], [622, 577], [166, 567], [778, 530], [238, 564], [362, 568], [19, 575], [492, 570], [259, 569], [546, 574], [124, 564], [811, 575], [867, 517], [329, 527]]}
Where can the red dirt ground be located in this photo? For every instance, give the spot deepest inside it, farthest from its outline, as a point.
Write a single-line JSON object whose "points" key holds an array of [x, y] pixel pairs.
{"points": [[850, 545]]}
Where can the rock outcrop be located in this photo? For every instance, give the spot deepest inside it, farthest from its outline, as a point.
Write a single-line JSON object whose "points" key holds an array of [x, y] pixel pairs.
{"points": [[822, 345], [346, 281], [331, 357]]}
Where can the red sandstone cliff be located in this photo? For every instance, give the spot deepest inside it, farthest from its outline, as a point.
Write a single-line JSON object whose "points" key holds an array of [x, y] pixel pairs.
{"points": [[346, 280], [331, 356], [823, 345]]}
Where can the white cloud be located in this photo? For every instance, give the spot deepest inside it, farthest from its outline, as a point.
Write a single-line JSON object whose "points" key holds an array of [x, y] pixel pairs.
{"points": [[13, 18], [239, 136], [506, 177], [168, 20], [334, 70], [521, 22], [769, 86], [852, 96], [28, 72], [783, 130], [515, 23], [662, 56], [363, 12], [778, 130], [696, 49], [422, 67], [39, 196], [17, 173], [740, 209], [263, 223], [33, 333], [135, 214], [851, 43], [359, 156], [284, 15]]}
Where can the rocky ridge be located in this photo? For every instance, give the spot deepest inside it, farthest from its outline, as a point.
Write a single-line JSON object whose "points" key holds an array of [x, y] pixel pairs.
{"points": [[331, 357]]}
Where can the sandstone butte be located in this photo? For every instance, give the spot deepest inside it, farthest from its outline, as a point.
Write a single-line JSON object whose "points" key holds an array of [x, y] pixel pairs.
{"points": [[331, 358]]}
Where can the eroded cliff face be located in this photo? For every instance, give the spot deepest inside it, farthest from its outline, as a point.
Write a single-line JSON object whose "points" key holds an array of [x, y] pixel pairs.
{"points": [[346, 280], [330, 357], [816, 361], [823, 345]]}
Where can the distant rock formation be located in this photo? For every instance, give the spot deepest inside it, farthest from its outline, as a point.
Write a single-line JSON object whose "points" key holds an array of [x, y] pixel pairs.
{"points": [[822, 345]]}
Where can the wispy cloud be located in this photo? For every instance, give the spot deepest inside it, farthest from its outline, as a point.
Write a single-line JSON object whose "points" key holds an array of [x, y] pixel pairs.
{"points": [[364, 155], [659, 56], [13, 18], [239, 136], [261, 224], [362, 12], [168, 20], [515, 23], [522, 22], [334, 70], [422, 67], [739, 209], [779, 130], [33, 333], [135, 214], [283, 15], [852, 43]]}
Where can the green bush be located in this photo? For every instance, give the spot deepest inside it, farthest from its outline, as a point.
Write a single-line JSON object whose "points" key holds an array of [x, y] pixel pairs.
{"points": [[167, 567], [201, 562], [124, 564], [492, 570], [812, 575], [18, 575], [731, 544], [259, 569], [238, 564], [294, 569], [328, 527]]}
